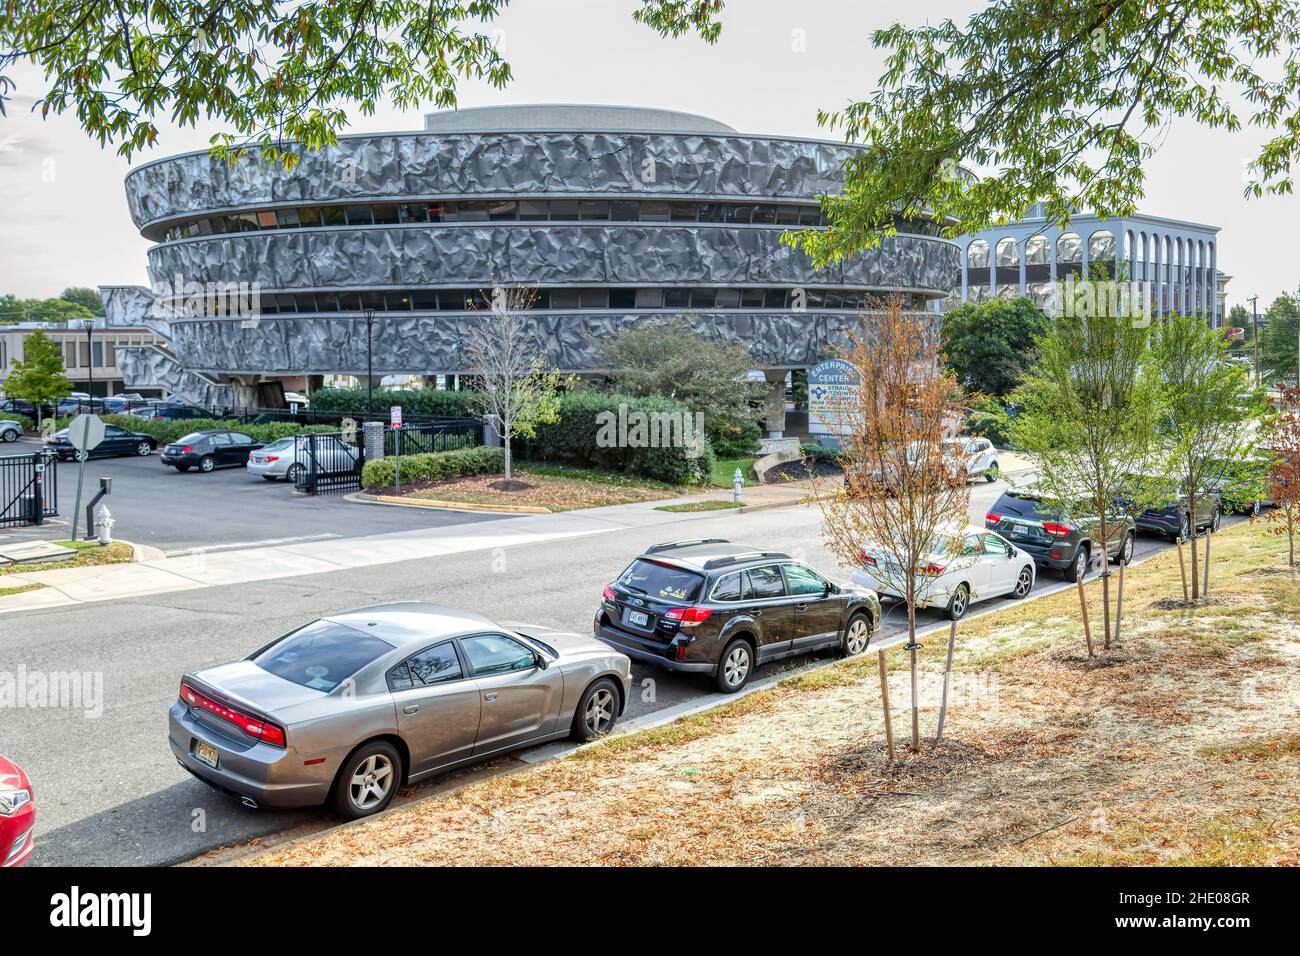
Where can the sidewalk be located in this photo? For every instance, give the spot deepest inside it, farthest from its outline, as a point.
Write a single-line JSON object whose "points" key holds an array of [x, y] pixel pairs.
{"points": [[200, 570]]}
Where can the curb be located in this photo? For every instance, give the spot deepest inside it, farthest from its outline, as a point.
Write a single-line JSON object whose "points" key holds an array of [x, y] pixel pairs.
{"points": [[462, 505]]}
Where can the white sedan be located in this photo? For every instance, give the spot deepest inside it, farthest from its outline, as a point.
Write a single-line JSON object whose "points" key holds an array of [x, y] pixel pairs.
{"points": [[984, 565]]}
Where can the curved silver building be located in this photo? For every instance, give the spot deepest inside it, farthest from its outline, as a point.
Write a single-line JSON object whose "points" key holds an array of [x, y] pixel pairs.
{"points": [[616, 215]]}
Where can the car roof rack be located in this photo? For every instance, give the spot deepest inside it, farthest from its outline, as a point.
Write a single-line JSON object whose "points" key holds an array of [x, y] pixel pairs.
{"points": [[690, 542], [743, 556]]}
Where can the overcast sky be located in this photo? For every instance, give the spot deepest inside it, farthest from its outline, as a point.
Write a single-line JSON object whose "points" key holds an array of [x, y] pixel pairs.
{"points": [[64, 220]]}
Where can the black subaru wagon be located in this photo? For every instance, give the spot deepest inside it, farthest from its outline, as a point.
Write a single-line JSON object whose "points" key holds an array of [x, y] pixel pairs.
{"points": [[711, 607]]}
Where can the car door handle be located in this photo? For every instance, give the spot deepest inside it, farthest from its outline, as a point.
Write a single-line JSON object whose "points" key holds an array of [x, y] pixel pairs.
{"points": [[489, 697], [801, 607], [756, 611], [410, 708]]}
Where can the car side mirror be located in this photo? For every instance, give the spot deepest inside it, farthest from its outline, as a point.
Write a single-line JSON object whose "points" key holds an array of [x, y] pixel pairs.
{"points": [[541, 662]]}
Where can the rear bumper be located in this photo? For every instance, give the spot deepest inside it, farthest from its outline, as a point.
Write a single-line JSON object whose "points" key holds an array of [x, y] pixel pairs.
{"points": [[174, 460], [270, 469], [1158, 524], [267, 775], [648, 651]]}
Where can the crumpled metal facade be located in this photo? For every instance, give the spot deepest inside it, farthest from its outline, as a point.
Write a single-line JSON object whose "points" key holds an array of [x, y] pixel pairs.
{"points": [[418, 166]]}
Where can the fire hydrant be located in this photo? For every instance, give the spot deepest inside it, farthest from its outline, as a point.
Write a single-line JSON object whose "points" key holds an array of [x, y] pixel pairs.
{"points": [[737, 482], [104, 525]]}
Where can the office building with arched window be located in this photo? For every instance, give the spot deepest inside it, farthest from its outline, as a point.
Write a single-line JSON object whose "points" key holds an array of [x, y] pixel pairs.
{"points": [[1176, 261]]}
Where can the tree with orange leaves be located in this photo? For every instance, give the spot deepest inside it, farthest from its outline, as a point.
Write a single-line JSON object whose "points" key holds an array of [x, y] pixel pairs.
{"points": [[1284, 473]]}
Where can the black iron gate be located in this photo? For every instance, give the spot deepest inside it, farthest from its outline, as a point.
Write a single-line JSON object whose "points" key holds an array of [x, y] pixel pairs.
{"points": [[328, 462], [29, 490]]}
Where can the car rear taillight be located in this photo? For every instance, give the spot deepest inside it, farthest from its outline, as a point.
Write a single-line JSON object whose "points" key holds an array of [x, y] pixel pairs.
{"points": [[272, 457], [934, 570], [255, 727], [1056, 530], [992, 517], [609, 595], [689, 615], [866, 559]]}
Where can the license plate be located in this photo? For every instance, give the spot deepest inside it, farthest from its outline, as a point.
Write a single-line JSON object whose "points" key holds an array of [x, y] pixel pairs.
{"points": [[206, 753], [638, 618]]}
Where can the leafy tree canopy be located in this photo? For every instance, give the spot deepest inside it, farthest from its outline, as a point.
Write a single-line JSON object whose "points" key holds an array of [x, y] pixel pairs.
{"points": [[39, 376], [275, 73], [86, 298], [670, 359], [14, 309], [990, 345], [1056, 102], [1278, 338]]}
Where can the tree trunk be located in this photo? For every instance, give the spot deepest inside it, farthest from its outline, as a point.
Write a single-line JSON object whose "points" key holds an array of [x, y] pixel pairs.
{"points": [[947, 680], [916, 705]]}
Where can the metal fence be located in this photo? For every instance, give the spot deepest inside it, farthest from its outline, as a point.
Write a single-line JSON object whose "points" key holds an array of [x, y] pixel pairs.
{"points": [[328, 462], [29, 490], [422, 437]]}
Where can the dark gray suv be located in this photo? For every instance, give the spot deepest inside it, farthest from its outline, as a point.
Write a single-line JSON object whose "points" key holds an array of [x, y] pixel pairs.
{"points": [[1059, 542], [708, 606]]}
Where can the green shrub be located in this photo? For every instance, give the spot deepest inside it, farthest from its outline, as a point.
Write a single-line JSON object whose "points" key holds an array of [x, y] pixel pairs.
{"points": [[732, 437], [167, 432], [815, 451], [991, 419], [422, 402], [23, 421], [588, 416], [382, 472]]}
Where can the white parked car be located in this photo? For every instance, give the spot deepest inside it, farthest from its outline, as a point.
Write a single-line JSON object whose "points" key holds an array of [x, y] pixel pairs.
{"points": [[285, 458], [962, 569], [10, 430], [981, 459]]}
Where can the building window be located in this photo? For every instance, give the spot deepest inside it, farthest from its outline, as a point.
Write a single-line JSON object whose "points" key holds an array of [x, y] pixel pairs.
{"points": [[977, 255]]}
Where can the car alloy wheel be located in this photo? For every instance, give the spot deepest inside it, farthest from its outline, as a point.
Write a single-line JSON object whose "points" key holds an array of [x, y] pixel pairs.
{"points": [[10, 435], [736, 665], [858, 635], [1126, 551], [371, 782], [1183, 529], [294, 473], [1217, 520], [207, 464], [143, 449], [959, 602], [599, 715], [993, 473], [1024, 582]]}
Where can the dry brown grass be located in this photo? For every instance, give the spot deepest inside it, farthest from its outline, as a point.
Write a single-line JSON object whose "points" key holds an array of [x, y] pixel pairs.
{"points": [[1178, 746]]}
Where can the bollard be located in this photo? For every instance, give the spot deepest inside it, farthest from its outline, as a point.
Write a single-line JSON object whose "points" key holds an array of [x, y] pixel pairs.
{"points": [[737, 483]]}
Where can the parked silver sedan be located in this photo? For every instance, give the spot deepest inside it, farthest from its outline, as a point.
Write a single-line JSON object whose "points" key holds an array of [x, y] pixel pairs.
{"points": [[350, 707]]}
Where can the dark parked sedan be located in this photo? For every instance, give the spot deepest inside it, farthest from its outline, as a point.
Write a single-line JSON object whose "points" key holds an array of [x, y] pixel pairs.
{"points": [[117, 442], [210, 450], [712, 607]]}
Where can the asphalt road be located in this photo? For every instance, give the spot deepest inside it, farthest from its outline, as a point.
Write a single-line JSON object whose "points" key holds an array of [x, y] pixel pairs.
{"points": [[159, 506], [109, 791]]}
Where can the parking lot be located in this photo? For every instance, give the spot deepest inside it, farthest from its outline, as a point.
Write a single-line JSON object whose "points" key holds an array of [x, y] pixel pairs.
{"points": [[159, 506]]}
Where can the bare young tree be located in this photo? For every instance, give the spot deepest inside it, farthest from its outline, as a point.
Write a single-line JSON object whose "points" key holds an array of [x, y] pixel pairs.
{"points": [[512, 386], [905, 494], [1284, 473]]}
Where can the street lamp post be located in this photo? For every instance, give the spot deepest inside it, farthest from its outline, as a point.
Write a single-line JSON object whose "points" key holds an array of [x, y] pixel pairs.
{"points": [[89, 326], [370, 361]]}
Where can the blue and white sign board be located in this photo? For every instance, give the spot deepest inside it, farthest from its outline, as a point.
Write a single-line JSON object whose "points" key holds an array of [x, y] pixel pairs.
{"points": [[830, 395]]}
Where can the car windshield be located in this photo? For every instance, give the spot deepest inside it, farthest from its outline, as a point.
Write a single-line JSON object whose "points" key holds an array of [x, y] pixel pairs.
{"points": [[321, 655], [661, 581]]}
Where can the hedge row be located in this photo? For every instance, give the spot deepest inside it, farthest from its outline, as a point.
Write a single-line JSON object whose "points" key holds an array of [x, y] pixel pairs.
{"points": [[618, 433], [423, 402], [382, 472], [167, 432]]}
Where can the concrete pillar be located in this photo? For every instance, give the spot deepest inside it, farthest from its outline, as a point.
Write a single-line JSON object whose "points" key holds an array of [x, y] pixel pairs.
{"points": [[775, 407], [373, 437]]}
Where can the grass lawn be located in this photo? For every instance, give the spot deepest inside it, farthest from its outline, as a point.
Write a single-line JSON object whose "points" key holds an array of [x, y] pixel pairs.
{"points": [[554, 487], [90, 553], [699, 506], [5, 592], [1177, 746], [724, 471]]}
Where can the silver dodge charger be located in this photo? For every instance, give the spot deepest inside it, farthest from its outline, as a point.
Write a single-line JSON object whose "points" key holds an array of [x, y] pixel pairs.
{"points": [[350, 707]]}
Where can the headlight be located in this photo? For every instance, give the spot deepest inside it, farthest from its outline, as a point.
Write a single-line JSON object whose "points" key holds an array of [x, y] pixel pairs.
{"points": [[12, 800]]}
